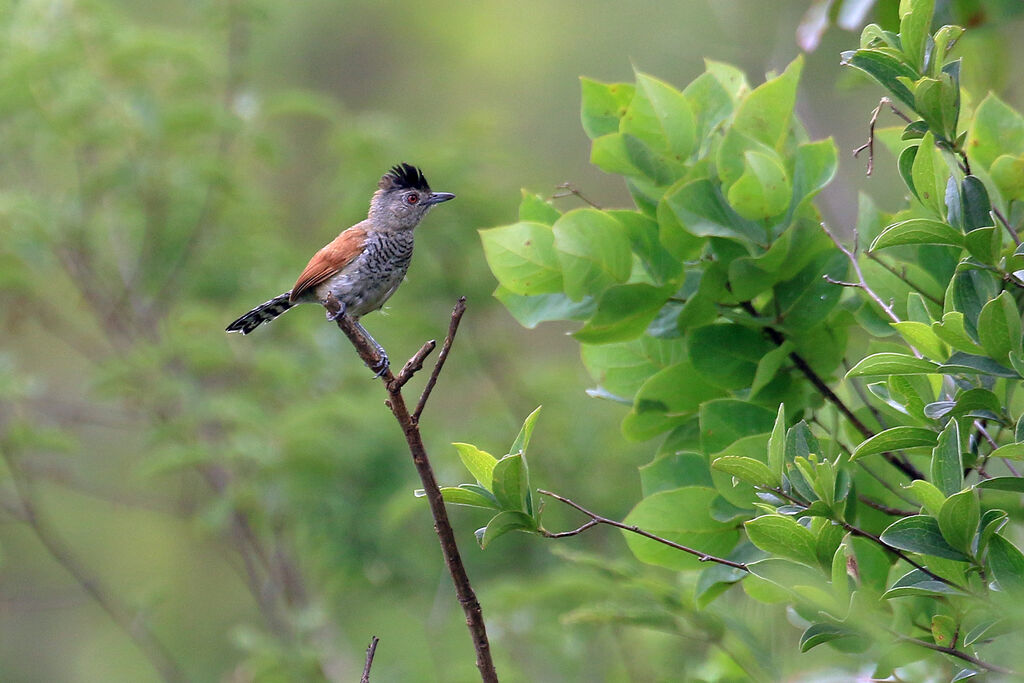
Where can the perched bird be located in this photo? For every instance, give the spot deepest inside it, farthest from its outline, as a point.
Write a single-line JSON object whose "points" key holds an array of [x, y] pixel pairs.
{"points": [[364, 265]]}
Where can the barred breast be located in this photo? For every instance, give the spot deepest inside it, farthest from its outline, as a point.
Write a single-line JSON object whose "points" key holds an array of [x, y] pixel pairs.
{"points": [[370, 280]]}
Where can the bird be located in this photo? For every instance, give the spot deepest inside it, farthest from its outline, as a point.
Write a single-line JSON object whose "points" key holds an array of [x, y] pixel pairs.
{"points": [[364, 265]]}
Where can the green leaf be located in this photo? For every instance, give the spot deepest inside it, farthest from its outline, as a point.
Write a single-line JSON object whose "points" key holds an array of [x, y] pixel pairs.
{"points": [[593, 250], [522, 258], [915, 28], [1007, 565], [1011, 451], [479, 463], [769, 365], [701, 211], [660, 116], [784, 537], [960, 363], [603, 104], [766, 112], [535, 209], [996, 129], [814, 167], [511, 482], [916, 582], [917, 231], [923, 338], [920, 534], [502, 523], [958, 520], [666, 399], [777, 444], [746, 469], [680, 515], [530, 311], [984, 244], [947, 467], [763, 190], [1015, 484], [886, 66], [1007, 173], [892, 364], [807, 299], [623, 313], [673, 471], [817, 634], [723, 421], [930, 173], [622, 368], [944, 630], [977, 207], [726, 355], [711, 103], [971, 290], [465, 496], [952, 331], [927, 494], [999, 327], [894, 439], [523, 439]]}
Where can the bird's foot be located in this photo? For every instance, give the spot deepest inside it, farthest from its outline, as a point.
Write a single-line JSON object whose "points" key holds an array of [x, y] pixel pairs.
{"points": [[333, 316], [382, 365]]}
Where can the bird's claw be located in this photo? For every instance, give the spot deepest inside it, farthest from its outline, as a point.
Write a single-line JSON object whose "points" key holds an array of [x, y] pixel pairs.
{"points": [[382, 365]]}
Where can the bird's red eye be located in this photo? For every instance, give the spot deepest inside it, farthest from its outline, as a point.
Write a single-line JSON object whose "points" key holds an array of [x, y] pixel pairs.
{"points": [[413, 198]]}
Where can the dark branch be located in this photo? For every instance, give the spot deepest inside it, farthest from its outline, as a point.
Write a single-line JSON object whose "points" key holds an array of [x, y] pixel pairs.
{"points": [[414, 365], [1006, 224], [953, 652], [446, 347], [410, 427], [370, 652], [881, 507], [596, 519], [870, 144]]}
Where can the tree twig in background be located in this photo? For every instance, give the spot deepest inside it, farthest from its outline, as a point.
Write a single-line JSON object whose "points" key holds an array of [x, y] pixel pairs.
{"points": [[596, 519], [870, 144], [132, 624], [370, 652], [953, 652], [410, 427]]}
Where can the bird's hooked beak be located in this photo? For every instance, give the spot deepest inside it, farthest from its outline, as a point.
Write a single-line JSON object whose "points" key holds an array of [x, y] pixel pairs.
{"points": [[438, 197]]}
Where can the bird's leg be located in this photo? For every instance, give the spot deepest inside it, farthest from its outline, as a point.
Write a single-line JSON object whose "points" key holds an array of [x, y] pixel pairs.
{"points": [[384, 363]]}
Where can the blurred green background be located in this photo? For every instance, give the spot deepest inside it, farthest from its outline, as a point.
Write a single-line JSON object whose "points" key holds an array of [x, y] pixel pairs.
{"points": [[248, 501]]}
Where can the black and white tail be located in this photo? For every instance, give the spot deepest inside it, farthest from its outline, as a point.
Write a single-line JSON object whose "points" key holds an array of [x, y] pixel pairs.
{"points": [[263, 313]]}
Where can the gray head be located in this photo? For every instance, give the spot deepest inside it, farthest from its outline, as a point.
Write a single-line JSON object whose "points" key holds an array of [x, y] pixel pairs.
{"points": [[403, 198]]}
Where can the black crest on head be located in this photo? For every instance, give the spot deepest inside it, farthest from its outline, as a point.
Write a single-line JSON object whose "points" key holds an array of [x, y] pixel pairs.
{"points": [[404, 177]]}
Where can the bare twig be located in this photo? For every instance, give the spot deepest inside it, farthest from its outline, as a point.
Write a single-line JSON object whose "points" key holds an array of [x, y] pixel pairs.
{"points": [[903, 276], [570, 190], [596, 519], [446, 347], [856, 531], [370, 652], [1006, 224], [862, 282], [414, 364], [870, 144], [410, 427], [881, 507], [900, 463], [953, 652]]}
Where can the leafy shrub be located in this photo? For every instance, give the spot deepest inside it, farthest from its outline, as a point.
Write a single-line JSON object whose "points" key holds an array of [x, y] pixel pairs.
{"points": [[838, 425]]}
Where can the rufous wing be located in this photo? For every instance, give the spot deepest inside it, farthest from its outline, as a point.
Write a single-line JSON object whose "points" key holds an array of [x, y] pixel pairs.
{"points": [[326, 263]]}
